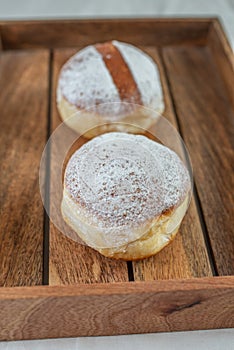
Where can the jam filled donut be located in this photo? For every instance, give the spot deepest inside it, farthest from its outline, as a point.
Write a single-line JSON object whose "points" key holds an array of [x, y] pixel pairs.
{"points": [[95, 83], [125, 195]]}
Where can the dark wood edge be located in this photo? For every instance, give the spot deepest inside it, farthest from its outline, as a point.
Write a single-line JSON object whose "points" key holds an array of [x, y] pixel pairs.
{"points": [[174, 20], [1, 48], [121, 288], [47, 33], [223, 54]]}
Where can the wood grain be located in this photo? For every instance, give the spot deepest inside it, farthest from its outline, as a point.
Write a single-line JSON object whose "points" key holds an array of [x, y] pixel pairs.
{"points": [[114, 308], [71, 262], [186, 256], [206, 119], [68, 33], [23, 106]]}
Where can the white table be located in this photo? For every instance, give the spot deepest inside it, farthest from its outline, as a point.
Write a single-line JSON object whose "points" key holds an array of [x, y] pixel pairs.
{"points": [[28, 9], [222, 339]]}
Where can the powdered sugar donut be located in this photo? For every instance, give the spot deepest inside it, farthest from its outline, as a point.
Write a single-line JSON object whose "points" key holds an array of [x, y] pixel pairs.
{"points": [[111, 73], [125, 195]]}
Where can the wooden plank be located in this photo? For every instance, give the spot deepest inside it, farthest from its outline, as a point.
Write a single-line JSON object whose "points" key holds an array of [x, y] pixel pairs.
{"points": [[223, 54], [68, 33], [206, 117], [71, 262], [186, 256], [23, 105], [114, 308]]}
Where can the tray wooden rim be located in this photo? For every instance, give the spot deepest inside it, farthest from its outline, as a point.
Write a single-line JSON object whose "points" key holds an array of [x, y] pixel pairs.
{"points": [[207, 22], [154, 306], [122, 288]]}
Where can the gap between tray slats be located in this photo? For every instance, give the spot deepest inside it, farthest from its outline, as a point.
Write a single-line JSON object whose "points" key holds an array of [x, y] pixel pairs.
{"points": [[46, 222]]}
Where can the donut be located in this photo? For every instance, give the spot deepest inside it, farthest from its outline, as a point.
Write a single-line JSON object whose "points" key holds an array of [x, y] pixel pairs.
{"points": [[125, 195], [109, 83]]}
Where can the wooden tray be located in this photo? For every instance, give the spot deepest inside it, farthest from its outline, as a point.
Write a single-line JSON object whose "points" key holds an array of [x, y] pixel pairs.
{"points": [[187, 286]]}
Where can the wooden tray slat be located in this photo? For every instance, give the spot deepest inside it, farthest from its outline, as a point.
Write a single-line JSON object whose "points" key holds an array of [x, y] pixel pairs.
{"points": [[71, 262], [186, 256], [206, 118], [23, 108]]}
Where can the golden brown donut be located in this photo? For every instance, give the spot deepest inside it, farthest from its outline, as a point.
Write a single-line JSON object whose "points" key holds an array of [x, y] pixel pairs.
{"points": [[125, 195], [112, 72]]}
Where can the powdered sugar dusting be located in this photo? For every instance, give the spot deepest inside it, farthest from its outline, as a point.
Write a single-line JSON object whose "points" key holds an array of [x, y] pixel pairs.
{"points": [[85, 81], [145, 73], [123, 180]]}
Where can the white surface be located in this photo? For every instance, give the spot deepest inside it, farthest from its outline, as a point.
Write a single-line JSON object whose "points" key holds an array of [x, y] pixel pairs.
{"points": [[202, 340]]}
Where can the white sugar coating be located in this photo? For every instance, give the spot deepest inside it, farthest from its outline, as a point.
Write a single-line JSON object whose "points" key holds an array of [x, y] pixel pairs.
{"points": [[85, 81], [122, 180], [145, 73]]}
